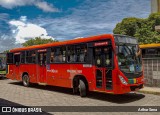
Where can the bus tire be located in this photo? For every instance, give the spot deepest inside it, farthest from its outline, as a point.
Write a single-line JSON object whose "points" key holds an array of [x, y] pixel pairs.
{"points": [[75, 90], [25, 80], [82, 88]]}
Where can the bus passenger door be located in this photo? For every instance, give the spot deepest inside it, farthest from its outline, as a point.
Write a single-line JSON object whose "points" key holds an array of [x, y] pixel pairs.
{"points": [[17, 66], [103, 63], [41, 68], [99, 75]]}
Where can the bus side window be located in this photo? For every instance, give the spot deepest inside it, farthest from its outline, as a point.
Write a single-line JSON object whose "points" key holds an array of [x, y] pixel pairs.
{"points": [[63, 54], [68, 54], [44, 58], [81, 53], [30, 57], [9, 58], [23, 57], [78, 49], [52, 56], [71, 54], [57, 53], [17, 59], [41, 59], [33, 57]]}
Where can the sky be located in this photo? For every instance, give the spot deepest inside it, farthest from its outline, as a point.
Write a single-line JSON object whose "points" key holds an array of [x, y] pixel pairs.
{"points": [[21, 20]]}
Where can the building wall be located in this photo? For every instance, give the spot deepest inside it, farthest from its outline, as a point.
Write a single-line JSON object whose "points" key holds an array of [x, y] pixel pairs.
{"points": [[152, 71], [151, 64], [155, 6]]}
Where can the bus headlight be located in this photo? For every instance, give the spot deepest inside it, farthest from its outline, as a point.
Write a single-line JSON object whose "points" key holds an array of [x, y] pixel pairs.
{"points": [[123, 81]]}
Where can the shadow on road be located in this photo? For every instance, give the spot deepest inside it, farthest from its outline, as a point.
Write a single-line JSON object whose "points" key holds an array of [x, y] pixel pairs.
{"points": [[3, 78], [49, 88], [6, 103], [119, 99]]}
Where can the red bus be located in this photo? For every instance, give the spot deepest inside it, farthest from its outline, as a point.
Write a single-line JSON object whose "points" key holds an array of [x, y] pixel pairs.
{"points": [[103, 63]]}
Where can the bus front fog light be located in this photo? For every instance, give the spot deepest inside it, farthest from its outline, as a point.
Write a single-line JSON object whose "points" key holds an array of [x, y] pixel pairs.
{"points": [[123, 81]]}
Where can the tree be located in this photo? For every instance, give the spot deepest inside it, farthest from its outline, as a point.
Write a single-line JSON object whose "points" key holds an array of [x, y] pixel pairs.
{"points": [[37, 41], [6, 51], [128, 26], [143, 29]]}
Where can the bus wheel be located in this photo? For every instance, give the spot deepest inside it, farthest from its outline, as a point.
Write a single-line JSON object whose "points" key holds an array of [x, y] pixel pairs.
{"points": [[25, 80], [82, 88]]}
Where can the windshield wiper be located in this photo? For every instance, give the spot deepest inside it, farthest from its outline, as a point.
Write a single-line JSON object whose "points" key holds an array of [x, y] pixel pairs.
{"points": [[128, 49]]}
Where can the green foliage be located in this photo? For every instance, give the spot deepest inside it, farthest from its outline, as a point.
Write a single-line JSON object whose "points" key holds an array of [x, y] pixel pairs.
{"points": [[128, 26], [6, 51], [38, 41], [142, 29]]}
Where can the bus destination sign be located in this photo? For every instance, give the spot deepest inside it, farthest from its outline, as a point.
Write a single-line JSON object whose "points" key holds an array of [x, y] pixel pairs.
{"points": [[100, 43], [42, 50]]}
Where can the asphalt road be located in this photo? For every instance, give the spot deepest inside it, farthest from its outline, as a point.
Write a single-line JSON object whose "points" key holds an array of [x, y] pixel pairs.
{"points": [[13, 93]]}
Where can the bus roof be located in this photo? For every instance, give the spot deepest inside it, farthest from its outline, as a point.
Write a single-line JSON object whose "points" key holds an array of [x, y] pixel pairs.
{"points": [[145, 46], [73, 41]]}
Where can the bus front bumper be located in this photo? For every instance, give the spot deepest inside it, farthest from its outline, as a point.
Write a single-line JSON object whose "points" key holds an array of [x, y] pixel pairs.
{"points": [[129, 88]]}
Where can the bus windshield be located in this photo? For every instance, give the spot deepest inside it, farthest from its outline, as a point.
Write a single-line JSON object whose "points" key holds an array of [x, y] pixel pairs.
{"points": [[128, 59], [129, 54]]}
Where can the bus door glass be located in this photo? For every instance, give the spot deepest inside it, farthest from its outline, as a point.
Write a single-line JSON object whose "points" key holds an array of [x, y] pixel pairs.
{"points": [[103, 63], [41, 72], [108, 66], [17, 65]]}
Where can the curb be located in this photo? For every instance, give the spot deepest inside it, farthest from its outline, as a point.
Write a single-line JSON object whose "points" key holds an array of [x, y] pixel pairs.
{"points": [[149, 92]]}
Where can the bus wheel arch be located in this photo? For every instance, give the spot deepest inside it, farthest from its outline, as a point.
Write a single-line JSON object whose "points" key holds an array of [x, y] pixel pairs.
{"points": [[25, 79], [80, 84]]}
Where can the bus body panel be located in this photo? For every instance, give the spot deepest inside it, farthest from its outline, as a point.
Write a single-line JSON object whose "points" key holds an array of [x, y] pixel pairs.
{"points": [[10, 74], [62, 74], [57, 75], [41, 73], [29, 69], [17, 72]]}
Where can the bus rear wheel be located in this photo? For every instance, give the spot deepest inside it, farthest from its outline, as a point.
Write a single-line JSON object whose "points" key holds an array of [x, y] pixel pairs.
{"points": [[82, 88], [25, 80]]}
